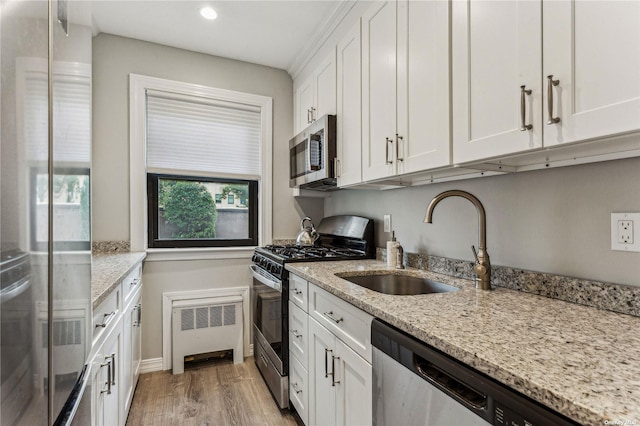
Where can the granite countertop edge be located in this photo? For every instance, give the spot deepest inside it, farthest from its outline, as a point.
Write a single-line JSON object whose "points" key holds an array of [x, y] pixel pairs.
{"points": [[581, 400], [108, 270]]}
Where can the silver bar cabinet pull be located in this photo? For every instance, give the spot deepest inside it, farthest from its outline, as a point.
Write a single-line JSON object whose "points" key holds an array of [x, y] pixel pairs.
{"points": [[333, 318], [326, 362], [313, 114], [386, 154], [551, 83], [524, 92], [333, 371], [398, 140], [336, 164]]}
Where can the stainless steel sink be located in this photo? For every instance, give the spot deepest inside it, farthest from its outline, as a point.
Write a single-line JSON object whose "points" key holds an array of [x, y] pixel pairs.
{"points": [[400, 284]]}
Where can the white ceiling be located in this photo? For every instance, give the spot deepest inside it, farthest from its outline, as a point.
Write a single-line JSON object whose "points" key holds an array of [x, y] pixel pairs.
{"points": [[266, 32]]}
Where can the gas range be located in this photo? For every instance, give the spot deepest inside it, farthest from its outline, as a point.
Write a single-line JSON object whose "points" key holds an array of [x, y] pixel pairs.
{"points": [[341, 238], [273, 257]]}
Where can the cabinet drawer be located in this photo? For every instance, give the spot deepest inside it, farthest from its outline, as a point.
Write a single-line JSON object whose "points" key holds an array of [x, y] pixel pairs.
{"points": [[299, 388], [299, 334], [105, 314], [348, 323], [132, 282], [298, 292]]}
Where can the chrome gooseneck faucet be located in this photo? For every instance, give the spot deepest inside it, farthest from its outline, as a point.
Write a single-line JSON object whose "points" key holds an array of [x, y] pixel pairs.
{"points": [[482, 267]]}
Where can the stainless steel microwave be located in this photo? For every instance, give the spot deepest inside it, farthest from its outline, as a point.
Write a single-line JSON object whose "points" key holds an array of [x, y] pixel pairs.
{"points": [[312, 154]]}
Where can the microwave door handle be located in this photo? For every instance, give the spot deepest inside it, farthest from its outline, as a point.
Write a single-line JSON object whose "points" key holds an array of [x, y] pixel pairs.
{"points": [[308, 151]]}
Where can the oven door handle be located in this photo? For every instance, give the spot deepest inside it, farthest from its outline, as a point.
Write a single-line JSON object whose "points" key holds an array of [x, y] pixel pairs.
{"points": [[15, 290], [274, 284]]}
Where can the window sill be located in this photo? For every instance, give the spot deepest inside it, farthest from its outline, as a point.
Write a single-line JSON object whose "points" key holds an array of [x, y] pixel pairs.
{"points": [[208, 253]]}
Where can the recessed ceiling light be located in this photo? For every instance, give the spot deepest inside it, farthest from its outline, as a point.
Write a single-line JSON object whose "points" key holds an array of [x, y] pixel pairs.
{"points": [[208, 13]]}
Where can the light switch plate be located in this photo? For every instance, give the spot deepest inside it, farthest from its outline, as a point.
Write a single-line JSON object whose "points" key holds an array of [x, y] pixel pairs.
{"points": [[625, 231], [387, 223]]}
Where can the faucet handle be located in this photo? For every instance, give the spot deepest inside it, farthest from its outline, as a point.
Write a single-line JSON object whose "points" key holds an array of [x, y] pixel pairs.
{"points": [[475, 253], [478, 268]]}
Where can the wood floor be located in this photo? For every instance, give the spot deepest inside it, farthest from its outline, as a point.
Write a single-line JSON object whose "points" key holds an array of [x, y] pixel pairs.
{"points": [[218, 393]]}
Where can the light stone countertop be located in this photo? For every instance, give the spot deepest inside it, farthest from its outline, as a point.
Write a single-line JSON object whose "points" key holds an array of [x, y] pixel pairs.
{"points": [[581, 361], [108, 270]]}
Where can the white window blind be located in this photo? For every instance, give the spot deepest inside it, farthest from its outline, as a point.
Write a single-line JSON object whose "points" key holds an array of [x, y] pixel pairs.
{"points": [[71, 118], [195, 134]]}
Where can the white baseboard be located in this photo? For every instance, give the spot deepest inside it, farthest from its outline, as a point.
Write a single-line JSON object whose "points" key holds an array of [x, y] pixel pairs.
{"points": [[150, 365]]}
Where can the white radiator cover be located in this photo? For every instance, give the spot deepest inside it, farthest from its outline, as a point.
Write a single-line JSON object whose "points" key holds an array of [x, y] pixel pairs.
{"points": [[206, 325]]}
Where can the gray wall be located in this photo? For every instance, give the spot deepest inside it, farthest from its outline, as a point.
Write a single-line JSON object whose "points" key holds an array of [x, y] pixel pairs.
{"points": [[555, 221], [114, 58]]}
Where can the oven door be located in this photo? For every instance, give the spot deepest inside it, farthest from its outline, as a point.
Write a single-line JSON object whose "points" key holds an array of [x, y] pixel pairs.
{"points": [[271, 332], [269, 316]]}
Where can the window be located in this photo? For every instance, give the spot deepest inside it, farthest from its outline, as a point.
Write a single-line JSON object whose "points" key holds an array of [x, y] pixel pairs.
{"points": [[183, 212], [192, 133]]}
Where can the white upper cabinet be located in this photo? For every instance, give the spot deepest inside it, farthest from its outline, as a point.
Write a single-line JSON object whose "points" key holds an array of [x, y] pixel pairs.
{"points": [[378, 90], [304, 103], [349, 109], [592, 48], [497, 86], [405, 54], [316, 96], [424, 139], [578, 60]]}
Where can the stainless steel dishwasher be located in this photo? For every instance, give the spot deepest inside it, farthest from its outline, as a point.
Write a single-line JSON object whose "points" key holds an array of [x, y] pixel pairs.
{"points": [[415, 384]]}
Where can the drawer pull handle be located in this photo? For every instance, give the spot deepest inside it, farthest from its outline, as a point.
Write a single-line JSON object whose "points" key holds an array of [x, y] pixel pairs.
{"points": [[105, 320], [295, 334], [331, 317], [296, 291], [135, 281], [296, 388]]}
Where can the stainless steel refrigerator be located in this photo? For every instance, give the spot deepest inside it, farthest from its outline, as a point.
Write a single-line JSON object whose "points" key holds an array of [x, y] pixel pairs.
{"points": [[45, 241]]}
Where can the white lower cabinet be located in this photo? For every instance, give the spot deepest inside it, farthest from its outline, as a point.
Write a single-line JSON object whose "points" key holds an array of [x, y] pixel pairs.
{"points": [[106, 379], [330, 381], [131, 351], [340, 381], [116, 352]]}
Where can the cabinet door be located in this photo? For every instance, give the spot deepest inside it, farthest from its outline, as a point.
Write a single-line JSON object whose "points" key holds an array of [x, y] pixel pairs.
{"points": [[136, 341], [322, 392], [378, 90], [355, 387], [324, 87], [131, 351], [99, 385], [113, 411], [349, 109], [593, 49], [496, 50], [423, 86], [126, 364], [304, 102]]}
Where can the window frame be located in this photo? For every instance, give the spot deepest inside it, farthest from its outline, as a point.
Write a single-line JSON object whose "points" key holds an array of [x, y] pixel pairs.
{"points": [[138, 85], [152, 213]]}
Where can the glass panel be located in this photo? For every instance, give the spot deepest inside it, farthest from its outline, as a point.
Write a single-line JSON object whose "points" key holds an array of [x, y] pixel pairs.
{"points": [[71, 210], [189, 209]]}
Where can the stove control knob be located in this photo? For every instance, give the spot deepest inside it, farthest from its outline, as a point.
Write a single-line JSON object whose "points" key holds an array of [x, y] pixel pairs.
{"points": [[254, 258], [277, 269], [269, 267]]}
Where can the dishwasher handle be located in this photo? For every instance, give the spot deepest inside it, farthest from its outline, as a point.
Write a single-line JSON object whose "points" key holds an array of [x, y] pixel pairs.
{"points": [[466, 395]]}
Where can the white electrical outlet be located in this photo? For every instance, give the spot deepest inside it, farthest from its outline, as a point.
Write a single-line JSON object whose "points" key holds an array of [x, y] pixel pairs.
{"points": [[387, 223], [625, 231]]}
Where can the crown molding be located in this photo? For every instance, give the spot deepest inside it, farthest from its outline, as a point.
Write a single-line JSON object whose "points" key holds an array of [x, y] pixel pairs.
{"points": [[319, 37]]}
